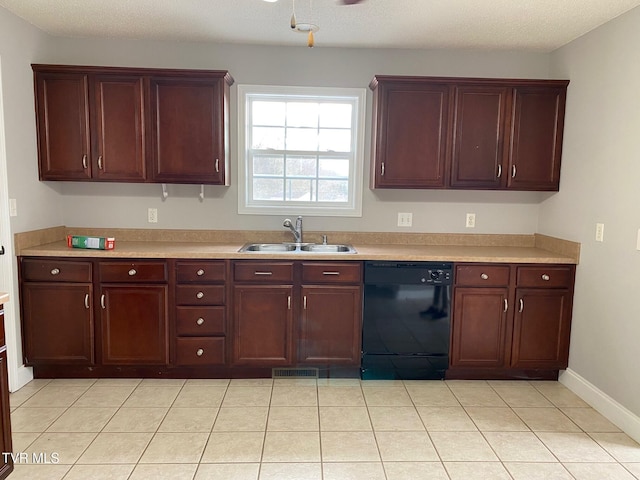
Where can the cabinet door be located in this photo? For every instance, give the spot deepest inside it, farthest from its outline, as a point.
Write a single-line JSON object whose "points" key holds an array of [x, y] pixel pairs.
{"points": [[262, 325], [536, 138], [6, 464], [411, 135], [57, 323], [541, 328], [134, 324], [478, 137], [478, 327], [119, 142], [62, 113], [187, 129], [330, 330]]}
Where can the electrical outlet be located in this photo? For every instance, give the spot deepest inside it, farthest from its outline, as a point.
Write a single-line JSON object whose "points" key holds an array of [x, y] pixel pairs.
{"points": [[638, 241], [471, 220], [13, 207], [405, 219], [599, 232], [152, 215]]}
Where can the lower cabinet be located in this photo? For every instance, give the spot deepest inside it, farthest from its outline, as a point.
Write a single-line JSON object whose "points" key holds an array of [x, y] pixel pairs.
{"points": [[6, 464], [511, 317], [57, 311], [288, 313], [134, 324]]}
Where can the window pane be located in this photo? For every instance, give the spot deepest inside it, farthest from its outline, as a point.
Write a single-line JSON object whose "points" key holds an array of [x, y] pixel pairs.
{"points": [[334, 167], [268, 189], [333, 190], [264, 138], [335, 115], [268, 113], [300, 190], [301, 166], [335, 140], [268, 165], [302, 114], [302, 139]]}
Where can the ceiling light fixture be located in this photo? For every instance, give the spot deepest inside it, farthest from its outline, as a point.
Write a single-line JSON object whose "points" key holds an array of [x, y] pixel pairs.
{"points": [[304, 27]]}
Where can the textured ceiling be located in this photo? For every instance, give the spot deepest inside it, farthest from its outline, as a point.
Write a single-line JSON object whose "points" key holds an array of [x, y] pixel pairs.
{"points": [[537, 25]]}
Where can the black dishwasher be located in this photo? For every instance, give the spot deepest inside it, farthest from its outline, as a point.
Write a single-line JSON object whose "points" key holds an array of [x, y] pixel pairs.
{"points": [[406, 320]]}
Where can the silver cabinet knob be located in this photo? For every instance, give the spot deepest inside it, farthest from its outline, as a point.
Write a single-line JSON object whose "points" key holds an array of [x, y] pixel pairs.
{"points": [[484, 276], [55, 271], [546, 277], [200, 295], [200, 272], [199, 352], [200, 321], [132, 272]]}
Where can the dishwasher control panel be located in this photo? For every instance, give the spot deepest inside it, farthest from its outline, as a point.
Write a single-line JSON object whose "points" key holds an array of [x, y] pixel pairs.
{"points": [[408, 273]]}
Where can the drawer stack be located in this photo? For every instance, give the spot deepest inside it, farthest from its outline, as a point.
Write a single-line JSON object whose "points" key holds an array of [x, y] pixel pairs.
{"points": [[200, 312]]}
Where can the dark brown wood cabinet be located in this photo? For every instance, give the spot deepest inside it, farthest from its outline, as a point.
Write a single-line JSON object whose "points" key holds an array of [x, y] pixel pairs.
{"points": [[535, 148], [57, 312], [330, 326], [62, 116], [263, 313], [189, 135], [411, 122], [467, 133], [132, 125], [479, 123], [511, 317], [201, 312], [6, 446], [133, 313]]}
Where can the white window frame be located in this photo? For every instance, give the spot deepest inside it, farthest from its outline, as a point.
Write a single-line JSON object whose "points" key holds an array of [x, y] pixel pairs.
{"points": [[351, 208]]}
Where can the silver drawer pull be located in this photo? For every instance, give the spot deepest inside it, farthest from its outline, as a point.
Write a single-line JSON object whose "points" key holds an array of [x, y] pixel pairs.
{"points": [[484, 276], [521, 306], [199, 352], [86, 300], [100, 163], [132, 272], [84, 162], [546, 277], [263, 273], [506, 304], [200, 272], [217, 165], [102, 301], [55, 271], [200, 321], [513, 171], [499, 171], [331, 273], [200, 295]]}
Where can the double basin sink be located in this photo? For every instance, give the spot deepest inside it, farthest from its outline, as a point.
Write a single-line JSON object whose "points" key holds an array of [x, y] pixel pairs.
{"points": [[297, 248]]}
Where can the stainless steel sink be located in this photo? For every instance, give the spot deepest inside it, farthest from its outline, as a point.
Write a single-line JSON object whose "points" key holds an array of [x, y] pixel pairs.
{"points": [[297, 248], [269, 247], [326, 248]]}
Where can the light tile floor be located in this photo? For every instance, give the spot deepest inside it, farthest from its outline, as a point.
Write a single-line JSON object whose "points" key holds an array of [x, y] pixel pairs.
{"points": [[263, 429]]}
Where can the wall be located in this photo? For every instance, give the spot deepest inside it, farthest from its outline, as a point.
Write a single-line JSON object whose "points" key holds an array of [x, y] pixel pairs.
{"points": [[600, 183], [39, 205], [124, 205]]}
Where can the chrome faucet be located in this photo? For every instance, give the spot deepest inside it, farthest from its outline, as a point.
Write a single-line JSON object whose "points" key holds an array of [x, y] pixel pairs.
{"points": [[297, 230]]}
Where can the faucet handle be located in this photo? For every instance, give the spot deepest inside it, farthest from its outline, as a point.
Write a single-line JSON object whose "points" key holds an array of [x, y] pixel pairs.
{"points": [[324, 239]]}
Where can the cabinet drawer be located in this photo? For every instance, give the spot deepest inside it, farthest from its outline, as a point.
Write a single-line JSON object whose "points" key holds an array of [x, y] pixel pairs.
{"points": [[114, 272], [200, 321], [200, 271], [200, 351], [549, 277], [55, 271], [200, 294], [482, 275], [328, 272], [273, 272]]}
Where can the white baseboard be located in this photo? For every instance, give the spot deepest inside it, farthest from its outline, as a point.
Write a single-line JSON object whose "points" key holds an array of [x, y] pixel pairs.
{"points": [[617, 414], [23, 376]]}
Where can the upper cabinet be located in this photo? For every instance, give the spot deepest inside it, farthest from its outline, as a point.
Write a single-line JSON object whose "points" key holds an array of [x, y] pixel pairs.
{"points": [[410, 134], [132, 125], [465, 133]]}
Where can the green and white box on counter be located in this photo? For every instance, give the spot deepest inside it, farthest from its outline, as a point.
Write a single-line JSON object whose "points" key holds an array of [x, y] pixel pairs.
{"points": [[97, 243]]}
